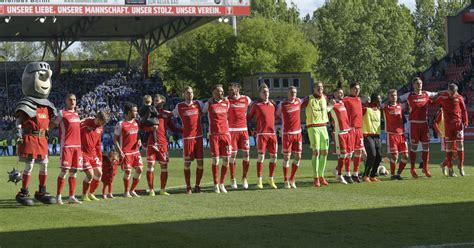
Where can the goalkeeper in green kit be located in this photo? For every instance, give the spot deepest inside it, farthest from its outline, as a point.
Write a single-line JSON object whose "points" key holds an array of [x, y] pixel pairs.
{"points": [[317, 108]]}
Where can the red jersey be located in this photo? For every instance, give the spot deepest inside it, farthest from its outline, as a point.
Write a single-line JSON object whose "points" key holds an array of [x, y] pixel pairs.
{"points": [[393, 116], [238, 113], [265, 113], [454, 109], [165, 121], [217, 115], [128, 135], [91, 135], [353, 106], [289, 113], [418, 105], [69, 128], [340, 117], [190, 116]]}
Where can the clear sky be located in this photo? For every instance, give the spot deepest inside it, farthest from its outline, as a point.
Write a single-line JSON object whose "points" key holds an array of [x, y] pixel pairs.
{"points": [[308, 6]]}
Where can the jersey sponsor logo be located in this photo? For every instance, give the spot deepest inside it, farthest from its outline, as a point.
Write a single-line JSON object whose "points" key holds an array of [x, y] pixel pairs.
{"points": [[190, 112], [132, 131], [75, 119], [42, 116], [238, 105], [293, 109]]}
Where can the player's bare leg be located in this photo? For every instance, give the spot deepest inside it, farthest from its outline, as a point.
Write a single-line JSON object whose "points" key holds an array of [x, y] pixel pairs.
{"points": [[136, 180], [271, 173], [96, 176], [294, 167], [150, 176], [163, 178], [224, 167], [425, 155], [413, 150], [460, 152], [199, 173], [245, 168], [260, 159], [86, 184]]}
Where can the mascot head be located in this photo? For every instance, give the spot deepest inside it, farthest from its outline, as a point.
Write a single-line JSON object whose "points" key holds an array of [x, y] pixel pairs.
{"points": [[36, 80]]}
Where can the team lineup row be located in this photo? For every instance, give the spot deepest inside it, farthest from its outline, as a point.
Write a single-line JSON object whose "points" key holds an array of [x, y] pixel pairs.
{"points": [[356, 134]]}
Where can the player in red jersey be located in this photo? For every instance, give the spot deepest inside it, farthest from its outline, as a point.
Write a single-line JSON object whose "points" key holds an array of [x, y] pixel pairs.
{"points": [[289, 111], [396, 142], [353, 105], [438, 126], [161, 153], [342, 138], [264, 111], [238, 133], [418, 102], [91, 135], [127, 144], [217, 108], [71, 155], [109, 170], [455, 120], [190, 112]]}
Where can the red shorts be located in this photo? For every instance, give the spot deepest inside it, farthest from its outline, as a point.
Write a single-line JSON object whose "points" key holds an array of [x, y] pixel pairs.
{"points": [[419, 132], [454, 132], [239, 140], [193, 149], [161, 155], [220, 145], [267, 141], [71, 158], [342, 142], [292, 143], [132, 160], [356, 139], [91, 162], [396, 143]]}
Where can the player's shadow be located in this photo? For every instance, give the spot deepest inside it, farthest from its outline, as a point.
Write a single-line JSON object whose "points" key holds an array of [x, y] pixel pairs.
{"points": [[9, 203], [377, 227]]}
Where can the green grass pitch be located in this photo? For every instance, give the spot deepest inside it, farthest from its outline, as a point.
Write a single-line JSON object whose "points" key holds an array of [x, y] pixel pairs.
{"points": [[404, 213]]}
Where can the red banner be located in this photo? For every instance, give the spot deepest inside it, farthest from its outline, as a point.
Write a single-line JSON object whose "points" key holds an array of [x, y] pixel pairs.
{"points": [[469, 133], [129, 10]]}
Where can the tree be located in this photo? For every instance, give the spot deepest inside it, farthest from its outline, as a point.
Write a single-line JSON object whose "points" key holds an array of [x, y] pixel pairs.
{"points": [[366, 41], [276, 10]]}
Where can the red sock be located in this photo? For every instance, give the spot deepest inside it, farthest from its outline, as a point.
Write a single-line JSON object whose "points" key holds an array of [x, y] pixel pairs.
{"points": [[94, 185], [126, 184], [461, 158], [60, 186], [215, 173], [150, 178], [110, 187], [356, 162], [72, 185], [104, 186], [425, 156], [42, 179], [285, 173], [413, 159], [272, 167], [25, 180], [401, 167], [223, 173], [232, 170], [135, 183], [392, 167], [199, 173], [347, 164], [85, 187], [259, 169], [449, 159], [163, 179], [340, 164], [187, 177], [245, 168], [294, 168]]}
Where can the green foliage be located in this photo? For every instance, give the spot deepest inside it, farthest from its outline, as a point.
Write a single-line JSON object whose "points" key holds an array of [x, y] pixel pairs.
{"points": [[365, 41]]}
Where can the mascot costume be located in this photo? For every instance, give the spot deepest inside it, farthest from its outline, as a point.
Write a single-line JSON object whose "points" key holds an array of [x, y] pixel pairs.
{"points": [[33, 114]]}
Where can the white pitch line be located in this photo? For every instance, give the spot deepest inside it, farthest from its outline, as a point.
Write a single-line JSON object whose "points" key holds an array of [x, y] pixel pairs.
{"points": [[444, 245]]}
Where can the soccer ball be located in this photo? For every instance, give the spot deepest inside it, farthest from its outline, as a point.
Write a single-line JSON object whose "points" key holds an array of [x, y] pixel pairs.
{"points": [[382, 171]]}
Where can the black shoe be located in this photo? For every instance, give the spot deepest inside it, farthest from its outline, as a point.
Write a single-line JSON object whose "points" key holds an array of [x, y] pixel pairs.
{"points": [[394, 177], [23, 198], [44, 196], [197, 189], [399, 177], [356, 179], [348, 179]]}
